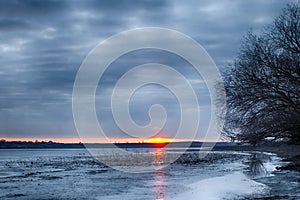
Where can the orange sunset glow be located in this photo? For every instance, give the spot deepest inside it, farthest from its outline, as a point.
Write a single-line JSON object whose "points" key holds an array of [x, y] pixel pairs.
{"points": [[158, 140]]}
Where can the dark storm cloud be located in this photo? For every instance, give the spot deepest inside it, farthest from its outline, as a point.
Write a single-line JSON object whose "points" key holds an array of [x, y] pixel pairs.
{"points": [[42, 44]]}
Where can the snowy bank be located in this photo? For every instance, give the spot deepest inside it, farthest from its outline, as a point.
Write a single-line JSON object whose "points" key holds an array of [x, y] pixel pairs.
{"points": [[225, 187]]}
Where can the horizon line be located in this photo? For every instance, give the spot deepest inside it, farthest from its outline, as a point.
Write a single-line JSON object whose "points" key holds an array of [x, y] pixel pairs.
{"points": [[91, 140]]}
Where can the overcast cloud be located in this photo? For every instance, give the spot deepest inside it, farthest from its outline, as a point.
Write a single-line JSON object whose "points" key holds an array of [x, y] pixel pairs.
{"points": [[43, 43]]}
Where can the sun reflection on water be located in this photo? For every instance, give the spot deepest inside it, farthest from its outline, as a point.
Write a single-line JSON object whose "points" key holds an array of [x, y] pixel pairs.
{"points": [[160, 182]]}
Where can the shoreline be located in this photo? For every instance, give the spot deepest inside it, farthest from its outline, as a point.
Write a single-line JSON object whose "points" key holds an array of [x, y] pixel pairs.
{"points": [[288, 152]]}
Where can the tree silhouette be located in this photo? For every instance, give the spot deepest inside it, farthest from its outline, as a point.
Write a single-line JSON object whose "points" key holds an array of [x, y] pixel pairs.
{"points": [[263, 84]]}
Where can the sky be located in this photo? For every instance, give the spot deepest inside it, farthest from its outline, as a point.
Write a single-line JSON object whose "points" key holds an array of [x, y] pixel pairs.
{"points": [[43, 44]]}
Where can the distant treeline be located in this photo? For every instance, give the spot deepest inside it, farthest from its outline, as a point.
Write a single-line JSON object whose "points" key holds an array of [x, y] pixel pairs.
{"points": [[54, 145], [36, 145]]}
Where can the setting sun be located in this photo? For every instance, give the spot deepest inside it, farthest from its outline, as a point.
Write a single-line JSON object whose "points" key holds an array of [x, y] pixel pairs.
{"points": [[158, 140]]}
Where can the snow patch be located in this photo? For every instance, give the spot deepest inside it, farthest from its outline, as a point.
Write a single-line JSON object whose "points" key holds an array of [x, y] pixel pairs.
{"points": [[225, 187]]}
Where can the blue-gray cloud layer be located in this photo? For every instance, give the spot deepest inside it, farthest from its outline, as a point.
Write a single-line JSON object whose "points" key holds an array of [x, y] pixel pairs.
{"points": [[42, 44]]}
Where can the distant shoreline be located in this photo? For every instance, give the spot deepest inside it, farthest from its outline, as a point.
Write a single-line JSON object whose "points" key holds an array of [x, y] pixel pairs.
{"points": [[55, 145]]}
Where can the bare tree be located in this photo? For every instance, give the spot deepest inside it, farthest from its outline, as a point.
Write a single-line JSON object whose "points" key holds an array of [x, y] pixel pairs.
{"points": [[263, 84]]}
